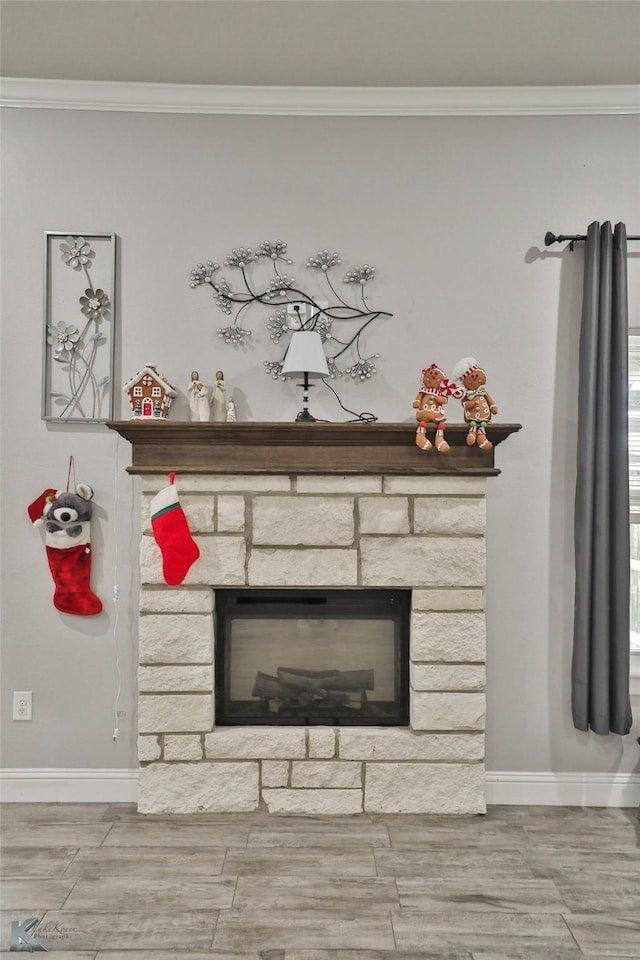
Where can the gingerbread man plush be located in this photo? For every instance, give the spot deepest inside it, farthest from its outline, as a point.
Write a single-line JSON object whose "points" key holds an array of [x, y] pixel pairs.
{"points": [[477, 403], [433, 393]]}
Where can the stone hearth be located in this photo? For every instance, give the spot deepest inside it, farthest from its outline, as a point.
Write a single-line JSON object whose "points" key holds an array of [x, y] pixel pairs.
{"points": [[422, 531]]}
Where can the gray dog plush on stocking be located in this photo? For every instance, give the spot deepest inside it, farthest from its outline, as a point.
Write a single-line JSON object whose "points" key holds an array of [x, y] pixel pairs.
{"points": [[67, 521]]}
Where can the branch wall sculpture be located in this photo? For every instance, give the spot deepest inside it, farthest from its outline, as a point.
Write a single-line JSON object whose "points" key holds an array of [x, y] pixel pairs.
{"points": [[263, 282]]}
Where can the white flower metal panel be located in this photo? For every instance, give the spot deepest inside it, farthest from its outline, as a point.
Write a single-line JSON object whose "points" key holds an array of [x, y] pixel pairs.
{"points": [[77, 381]]}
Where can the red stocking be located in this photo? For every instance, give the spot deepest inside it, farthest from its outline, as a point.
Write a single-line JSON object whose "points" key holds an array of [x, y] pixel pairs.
{"points": [[68, 544], [71, 570], [171, 533]]}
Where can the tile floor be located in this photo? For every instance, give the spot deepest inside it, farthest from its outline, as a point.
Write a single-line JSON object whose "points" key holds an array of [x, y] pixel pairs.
{"points": [[104, 883]]}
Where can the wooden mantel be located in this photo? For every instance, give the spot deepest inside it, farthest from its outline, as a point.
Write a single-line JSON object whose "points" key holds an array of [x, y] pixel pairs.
{"points": [[315, 448]]}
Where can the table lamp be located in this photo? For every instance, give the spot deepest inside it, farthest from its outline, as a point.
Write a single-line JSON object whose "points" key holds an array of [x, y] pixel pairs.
{"points": [[305, 358]]}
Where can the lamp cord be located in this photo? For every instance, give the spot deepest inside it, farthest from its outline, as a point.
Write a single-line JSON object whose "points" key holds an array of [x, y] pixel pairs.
{"points": [[364, 417], [114, 634]]}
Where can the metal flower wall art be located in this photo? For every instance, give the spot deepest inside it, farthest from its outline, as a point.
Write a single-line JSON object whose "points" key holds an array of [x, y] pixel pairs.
{"points": [[261, 277], [79, 326]]}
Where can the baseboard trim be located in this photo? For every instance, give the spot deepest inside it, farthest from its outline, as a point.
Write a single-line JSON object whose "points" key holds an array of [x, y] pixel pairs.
{"points": [[57, 785], [319, 101], [563, 789], [21, 785]]}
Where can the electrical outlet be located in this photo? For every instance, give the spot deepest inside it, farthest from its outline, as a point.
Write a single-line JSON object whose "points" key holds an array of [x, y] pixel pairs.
{"points": [[297, 313], [22, 705], [300, 312]]}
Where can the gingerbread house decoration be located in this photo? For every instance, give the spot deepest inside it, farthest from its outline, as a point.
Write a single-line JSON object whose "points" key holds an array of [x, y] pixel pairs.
{"points": [[150, 394]]}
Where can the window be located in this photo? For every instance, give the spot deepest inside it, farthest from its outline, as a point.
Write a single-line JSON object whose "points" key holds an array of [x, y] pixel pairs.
{"points": [[634, 493], [156, 392], [137, 391]]}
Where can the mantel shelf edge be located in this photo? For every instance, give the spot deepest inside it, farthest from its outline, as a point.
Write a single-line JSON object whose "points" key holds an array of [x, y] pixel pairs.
{"points": [[303, 448]]}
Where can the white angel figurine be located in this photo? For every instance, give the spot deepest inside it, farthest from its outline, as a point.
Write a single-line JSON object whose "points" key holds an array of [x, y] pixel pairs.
{"points": [[198, 398], [232, 415], [218, 403]]}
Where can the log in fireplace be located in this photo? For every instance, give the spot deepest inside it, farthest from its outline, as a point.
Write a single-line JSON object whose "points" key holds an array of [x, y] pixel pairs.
{"points": [[307, 657]]}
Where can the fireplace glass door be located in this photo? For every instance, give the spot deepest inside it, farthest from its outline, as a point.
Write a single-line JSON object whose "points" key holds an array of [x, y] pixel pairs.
{"points": [[304, 657]]}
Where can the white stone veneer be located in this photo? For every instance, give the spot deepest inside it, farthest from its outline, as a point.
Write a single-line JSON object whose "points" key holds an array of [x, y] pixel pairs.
{"points": [[425, 534]]}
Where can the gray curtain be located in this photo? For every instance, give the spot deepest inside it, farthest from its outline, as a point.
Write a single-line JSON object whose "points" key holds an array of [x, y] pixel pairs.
{"points": [[600, 669]]}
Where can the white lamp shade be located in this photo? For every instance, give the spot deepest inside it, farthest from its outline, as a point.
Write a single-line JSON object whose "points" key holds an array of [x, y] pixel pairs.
{"points": [[305, 355]]}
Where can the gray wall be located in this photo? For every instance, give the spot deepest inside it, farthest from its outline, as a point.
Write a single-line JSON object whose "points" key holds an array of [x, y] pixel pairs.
{"points": [[453, 213]]}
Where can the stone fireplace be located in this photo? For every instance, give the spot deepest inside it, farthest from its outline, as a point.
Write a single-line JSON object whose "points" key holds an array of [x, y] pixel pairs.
{"points": [[314, 508]]}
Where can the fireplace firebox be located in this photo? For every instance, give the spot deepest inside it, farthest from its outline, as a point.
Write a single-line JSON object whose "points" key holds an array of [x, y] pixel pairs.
{"points": [[305, 657]]}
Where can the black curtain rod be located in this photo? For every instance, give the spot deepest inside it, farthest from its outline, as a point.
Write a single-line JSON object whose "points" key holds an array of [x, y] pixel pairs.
{"points": [[550, 238]]}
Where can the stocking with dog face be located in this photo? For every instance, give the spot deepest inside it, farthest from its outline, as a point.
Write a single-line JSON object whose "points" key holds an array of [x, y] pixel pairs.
{"points": [[67, 521]]}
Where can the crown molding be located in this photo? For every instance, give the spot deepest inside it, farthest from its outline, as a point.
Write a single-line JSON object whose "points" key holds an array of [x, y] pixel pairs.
{"points": [[319, 101]]}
